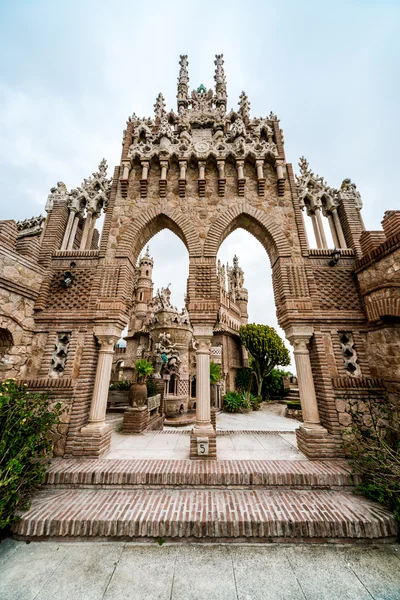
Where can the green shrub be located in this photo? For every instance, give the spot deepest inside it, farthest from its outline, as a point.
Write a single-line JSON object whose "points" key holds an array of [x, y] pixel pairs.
{"points": [[143, 370], [120, 385], [215, 373], [273, 384], [26, 446], [293, 405], [372, 442], [233, 402], [242, 380], [255, 402], [151, 388]]}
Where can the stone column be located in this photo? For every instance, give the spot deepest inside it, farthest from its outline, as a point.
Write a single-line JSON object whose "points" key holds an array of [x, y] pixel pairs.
{"points": [[98, 407], [335, 238], [71, 240], [68, 229], [299, 337], [86, 228], [320, 227], [203, 338], [339, 230], [315, 228]]}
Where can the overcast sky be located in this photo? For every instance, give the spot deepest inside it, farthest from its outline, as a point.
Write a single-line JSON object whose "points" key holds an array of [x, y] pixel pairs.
{"points": [[72, 71]]}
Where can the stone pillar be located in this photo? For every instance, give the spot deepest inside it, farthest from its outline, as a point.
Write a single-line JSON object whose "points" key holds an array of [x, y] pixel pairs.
{"points": [[316, 229], [94, 439], [203, 431], [320, 227], [98, 407], [68, 229], [312, 439], [335, 238], [339, 230], [71, 240], [86, 229]]}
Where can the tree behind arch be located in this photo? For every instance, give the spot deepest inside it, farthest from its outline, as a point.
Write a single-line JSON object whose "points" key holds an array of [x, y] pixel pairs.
{"points": [[266, 348]]}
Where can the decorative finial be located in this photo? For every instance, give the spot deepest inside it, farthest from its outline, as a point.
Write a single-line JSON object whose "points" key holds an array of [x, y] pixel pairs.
{"points": [[220, 82], [159, 107], [147, 255], [244, 106], [272, 116], [183, 84]]}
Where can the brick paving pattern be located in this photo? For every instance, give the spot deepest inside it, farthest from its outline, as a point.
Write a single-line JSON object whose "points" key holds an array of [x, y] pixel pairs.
{"points": [[205, 514], [189, 473]]}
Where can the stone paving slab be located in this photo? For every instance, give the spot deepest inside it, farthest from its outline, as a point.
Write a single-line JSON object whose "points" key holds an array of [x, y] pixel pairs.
{"points": [[130, 473], [207, 514], [231, 445], [124, 571]]}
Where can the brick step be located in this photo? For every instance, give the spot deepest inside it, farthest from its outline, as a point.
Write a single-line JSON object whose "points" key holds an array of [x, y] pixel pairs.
{"points": [[205, 515], [127, 474]]}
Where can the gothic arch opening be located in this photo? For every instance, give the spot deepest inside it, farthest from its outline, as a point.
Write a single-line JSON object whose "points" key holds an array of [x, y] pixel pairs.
{"points": [[242, 251]]}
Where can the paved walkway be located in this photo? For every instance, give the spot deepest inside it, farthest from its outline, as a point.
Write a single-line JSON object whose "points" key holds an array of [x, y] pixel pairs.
{"points": [[123, 571], [249, 443]]}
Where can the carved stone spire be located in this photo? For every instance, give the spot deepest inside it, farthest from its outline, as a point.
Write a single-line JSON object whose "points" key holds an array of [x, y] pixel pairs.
{"points": [[244, 106], [183, 84], [220, 82], [159, 107]]}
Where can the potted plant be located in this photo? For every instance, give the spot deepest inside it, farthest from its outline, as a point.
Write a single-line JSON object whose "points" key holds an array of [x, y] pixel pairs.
{"points": [[138, 390]]}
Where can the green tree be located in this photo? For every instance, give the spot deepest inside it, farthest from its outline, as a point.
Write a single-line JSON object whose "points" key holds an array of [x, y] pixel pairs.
{"points": [[266, 348]]}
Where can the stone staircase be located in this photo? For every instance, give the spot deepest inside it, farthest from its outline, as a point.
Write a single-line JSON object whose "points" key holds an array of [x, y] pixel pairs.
{"points": [[183, 500]]}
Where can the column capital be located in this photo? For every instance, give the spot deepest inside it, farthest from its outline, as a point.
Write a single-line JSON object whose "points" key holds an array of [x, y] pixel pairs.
{"points": [[107, 336], [201, 332], [297, 333]]}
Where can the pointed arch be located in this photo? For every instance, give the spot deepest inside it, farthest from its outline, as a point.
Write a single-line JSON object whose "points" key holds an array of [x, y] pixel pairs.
{"points": [[149, 223], [256, 222]]}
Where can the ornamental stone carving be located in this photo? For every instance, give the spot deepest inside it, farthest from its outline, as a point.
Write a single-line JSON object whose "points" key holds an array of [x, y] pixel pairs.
{"points": [[60, 354]]}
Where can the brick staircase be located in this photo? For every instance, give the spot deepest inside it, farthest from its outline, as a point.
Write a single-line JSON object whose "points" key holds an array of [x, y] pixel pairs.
{"points": [[183, 500]]}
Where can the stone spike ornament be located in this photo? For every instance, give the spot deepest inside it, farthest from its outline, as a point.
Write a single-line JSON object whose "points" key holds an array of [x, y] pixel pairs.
{"points": [[220, 82], [183, 84], [159, 107], [244, 106]]}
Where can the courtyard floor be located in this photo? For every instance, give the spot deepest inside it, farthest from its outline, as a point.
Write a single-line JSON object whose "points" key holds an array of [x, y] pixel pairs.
{"points": [[122, 571], [259, 435]]}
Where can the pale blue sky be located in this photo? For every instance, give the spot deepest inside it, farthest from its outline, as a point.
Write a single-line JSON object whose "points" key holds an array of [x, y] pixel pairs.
{"points": [[72, 71]]}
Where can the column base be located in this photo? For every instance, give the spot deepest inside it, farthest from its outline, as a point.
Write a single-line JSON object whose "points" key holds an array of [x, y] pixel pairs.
{"points": [[92, 441], [316, 443], [203, 446], [136, 419]]}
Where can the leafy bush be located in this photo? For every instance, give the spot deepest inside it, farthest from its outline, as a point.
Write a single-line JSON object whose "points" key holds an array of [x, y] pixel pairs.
{"points": [[372, 442], [215, 373], [273, 384], [233, 402], [242, 380], [26, 421], [293, 405], [255, 402], [143, 370], [151, 388], [120, 385]]}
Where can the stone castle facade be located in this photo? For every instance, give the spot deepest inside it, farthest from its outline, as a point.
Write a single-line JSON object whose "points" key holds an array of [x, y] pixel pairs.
{"points": [[202, 171], [157, 328]]}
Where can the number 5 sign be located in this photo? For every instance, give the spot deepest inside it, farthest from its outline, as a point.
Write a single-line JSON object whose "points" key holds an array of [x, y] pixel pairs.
{"points": [[202, 446]]}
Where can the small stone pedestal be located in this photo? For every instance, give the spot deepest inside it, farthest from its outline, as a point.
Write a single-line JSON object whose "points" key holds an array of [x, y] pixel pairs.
{"points": [[316, 443], [92, 441], [203, 446], [136, 419]]}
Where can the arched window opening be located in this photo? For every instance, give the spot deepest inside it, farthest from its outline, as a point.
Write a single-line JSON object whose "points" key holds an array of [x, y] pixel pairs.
{"points": [[6, 342]]}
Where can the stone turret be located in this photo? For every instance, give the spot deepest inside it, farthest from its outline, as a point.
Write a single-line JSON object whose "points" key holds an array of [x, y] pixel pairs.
{"points": [[144, 286]]}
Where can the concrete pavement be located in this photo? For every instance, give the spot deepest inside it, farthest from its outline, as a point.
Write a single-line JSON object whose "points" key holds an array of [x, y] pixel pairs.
{"points": [[124, 571]]}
